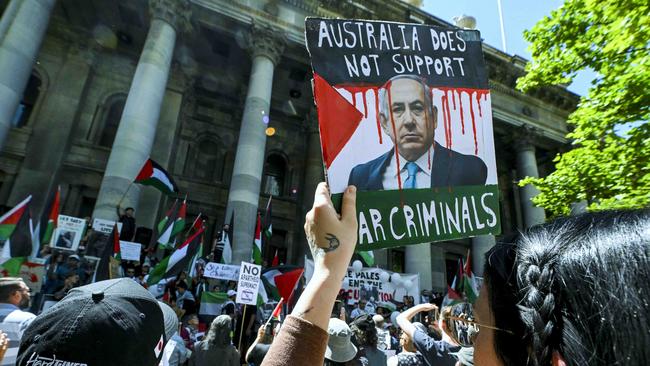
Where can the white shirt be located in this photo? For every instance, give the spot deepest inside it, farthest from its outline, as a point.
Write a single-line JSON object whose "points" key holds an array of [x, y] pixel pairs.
{"points": [[422, 177], [14, 322], [356, 312]]}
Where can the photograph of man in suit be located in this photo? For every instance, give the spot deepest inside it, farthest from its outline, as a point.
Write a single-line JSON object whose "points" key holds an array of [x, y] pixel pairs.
{"points": [[414, 120]]}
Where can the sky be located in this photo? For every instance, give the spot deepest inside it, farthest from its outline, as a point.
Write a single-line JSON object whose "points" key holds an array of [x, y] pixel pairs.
{"points": [[518, 15]]}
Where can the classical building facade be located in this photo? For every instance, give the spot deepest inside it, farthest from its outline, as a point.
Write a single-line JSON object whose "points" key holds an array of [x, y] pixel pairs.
{"points": [[90, 88]]}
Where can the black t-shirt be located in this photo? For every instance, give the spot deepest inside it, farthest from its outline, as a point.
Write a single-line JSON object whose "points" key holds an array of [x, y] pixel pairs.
{"points": [[256, 356]]}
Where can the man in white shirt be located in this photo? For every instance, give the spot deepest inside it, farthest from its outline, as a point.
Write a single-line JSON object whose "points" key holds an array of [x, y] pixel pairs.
{"points": [[14, 296], [408, 116], [359, 310]]}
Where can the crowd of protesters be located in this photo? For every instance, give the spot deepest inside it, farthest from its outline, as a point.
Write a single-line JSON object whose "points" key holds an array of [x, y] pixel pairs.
{"points": [[570, 292]]}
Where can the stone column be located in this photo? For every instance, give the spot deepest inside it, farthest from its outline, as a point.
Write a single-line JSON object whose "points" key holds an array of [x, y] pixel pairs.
{"points": [[22, 28], [266, 48], [53, 129], [418, 261], [5, 190], [480, 246], [438, 269], [137, 130], [527, 167]]}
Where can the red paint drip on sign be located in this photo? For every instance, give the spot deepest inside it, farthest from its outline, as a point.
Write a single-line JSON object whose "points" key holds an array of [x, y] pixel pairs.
{"points": [[462, 113]]}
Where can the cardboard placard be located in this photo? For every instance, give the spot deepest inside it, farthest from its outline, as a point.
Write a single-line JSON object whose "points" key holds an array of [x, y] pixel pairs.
{"points": [[221, 271], [249, 281], [405, 115], [68, 233], [130, 251], [105, 226]]}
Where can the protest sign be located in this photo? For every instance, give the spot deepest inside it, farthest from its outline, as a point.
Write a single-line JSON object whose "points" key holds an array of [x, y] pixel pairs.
{"points": [[32, 273], [130, 251], [367, 284], [249, 281], [69, 232], [405, 115], [221, 271], [105, 226]]}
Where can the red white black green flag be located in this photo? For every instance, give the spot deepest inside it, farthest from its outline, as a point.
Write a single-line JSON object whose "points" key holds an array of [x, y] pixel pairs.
{"points": [[152, 174]]}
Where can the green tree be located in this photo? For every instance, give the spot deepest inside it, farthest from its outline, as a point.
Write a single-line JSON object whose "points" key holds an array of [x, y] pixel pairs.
{"points": [[609, 164]]}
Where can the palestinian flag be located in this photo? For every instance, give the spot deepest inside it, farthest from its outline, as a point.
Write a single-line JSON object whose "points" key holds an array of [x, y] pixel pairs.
{"points": [[257, 247], [277, 312], [226, 242], [455, 291], [276, 260], [52, 217], [368, 257], [469, 285], [166, 226], [287, 283], [211, 303], [16, 232], [154, 175], [268, 226], [196, 225], [179, 223], [109, 258], [177, 261]]}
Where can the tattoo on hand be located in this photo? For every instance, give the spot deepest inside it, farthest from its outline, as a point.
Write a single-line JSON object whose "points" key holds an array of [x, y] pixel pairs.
{"points": [[333, 242]]}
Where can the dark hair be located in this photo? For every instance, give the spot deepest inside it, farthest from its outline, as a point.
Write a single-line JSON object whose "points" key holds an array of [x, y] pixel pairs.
{"points": [[8, 286], [182, 284], [365, 333], [577, 285]]}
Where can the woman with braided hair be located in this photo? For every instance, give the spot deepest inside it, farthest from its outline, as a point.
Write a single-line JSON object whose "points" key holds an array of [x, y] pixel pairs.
{"points": [[575, 291]]}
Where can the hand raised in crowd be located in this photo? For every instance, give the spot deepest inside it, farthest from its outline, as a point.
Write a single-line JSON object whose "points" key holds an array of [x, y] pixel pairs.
{"points": [[331, 239], [4, 344]]}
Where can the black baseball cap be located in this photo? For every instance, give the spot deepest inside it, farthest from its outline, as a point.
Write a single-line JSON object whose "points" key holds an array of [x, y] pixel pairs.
{"points": [[113, 322]]}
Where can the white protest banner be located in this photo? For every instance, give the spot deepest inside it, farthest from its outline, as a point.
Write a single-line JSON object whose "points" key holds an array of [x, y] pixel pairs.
{"points": [[105, 226], [221, 271], [249, 281], [69, 232], [367, 284], [130, 251]]}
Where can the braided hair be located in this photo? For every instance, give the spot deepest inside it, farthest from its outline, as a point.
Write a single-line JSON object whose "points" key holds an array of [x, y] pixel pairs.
{"points": [[578, 286]]}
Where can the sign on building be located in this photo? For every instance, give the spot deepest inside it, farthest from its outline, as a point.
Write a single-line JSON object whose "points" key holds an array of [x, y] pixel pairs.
{"points": [[405, 115], [249, 281], [130, 251]]}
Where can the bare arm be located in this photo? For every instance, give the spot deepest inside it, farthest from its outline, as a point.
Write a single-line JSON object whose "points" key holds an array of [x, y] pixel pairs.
{"points": [[404, 319]]}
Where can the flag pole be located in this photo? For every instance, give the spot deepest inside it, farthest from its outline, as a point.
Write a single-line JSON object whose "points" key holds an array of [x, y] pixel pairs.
{"points": [[241, 331], [503, 31], [124, 195]]}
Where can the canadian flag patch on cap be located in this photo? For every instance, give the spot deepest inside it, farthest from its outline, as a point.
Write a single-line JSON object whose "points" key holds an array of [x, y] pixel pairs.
{"points": [[159, 346]]}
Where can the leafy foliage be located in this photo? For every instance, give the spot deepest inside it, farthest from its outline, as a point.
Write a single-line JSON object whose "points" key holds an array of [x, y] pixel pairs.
{"points": [[606, 167]]}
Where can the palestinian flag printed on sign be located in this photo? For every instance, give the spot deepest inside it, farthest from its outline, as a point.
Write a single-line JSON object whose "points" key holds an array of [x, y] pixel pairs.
{"points": [[16, 232], [404, 114], [152, 174], [177, 261]]}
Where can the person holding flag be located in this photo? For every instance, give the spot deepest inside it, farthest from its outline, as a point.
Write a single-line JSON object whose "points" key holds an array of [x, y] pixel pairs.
{"points": [[257, 351]]}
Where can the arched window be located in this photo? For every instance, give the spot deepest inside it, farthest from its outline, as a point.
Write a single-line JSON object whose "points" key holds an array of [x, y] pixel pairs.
{"points": [[111, 122], [274, 172], [26, 106]]}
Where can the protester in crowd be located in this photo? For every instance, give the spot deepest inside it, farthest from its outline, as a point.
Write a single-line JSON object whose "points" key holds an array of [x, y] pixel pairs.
{"points": [[52, 282], [438, 353], [331, 239], [184, 298], [340, 350], [383, 337], [216, 349], [261, 344], [113, 322], [128, 223], [71, 281], [245, 328], [230, 308], [573, 291], [189, 330], [14, 296], [71, 265], [359, 309], [409, 355], [175, 352], [365, 338]]}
